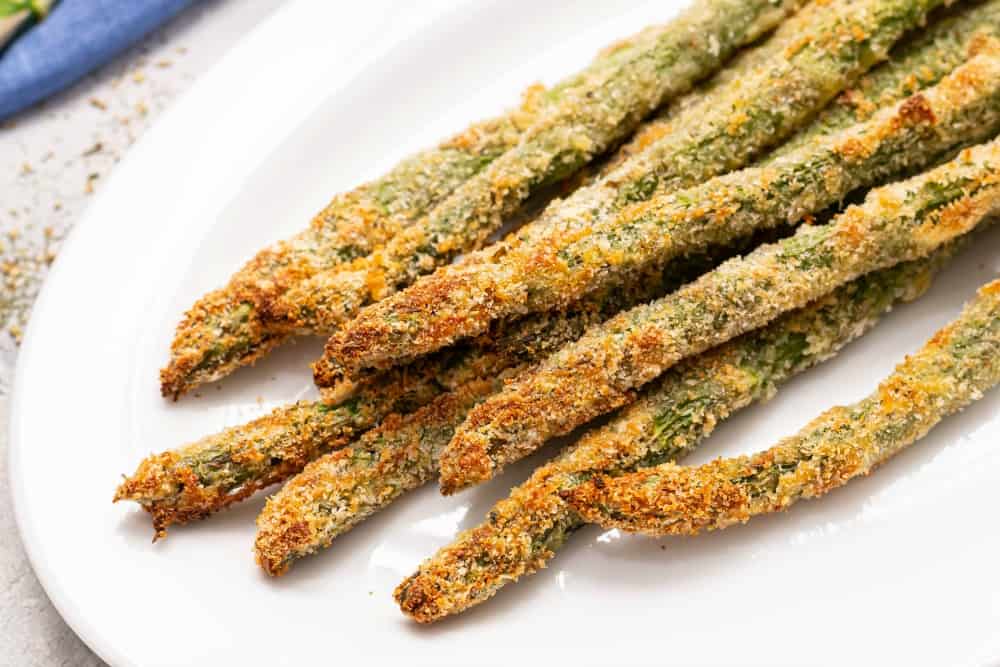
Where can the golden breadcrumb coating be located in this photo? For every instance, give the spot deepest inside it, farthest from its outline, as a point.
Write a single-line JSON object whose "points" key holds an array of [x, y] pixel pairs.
{"points": [[951, 371]]}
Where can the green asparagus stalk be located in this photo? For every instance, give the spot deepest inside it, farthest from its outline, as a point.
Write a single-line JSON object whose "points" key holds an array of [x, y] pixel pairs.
{"points": [[719, 134], [672, 417], [954, 368], [591, 120], [15, 15], [37, 8], [232, 326], [915, 64], [596, 374]]}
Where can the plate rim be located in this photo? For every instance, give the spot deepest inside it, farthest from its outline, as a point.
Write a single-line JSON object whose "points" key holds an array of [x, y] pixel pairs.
{"points": [[249, 50], [248, 55]]}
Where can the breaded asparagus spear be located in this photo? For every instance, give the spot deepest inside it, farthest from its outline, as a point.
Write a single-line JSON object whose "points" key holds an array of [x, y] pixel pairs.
{"points": [[591, 120], [882, 86], [718, 134], [239, 461], [340, 489], [194, 481], [229, 327], [899, 222], [740, 66], [402, 452], [206, 476], [951, 371], [515, 342], [672, 417], [916, 63]]}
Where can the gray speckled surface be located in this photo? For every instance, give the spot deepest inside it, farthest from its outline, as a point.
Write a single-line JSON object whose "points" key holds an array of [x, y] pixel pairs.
{"points": [[52, 159]]}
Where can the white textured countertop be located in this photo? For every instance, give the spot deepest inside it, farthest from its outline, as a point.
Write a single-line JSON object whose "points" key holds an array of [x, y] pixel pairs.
{"points": [[52, 159]]}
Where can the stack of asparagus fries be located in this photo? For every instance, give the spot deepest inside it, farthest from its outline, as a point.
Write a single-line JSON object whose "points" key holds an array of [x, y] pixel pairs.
{"points": [[684, 250]]}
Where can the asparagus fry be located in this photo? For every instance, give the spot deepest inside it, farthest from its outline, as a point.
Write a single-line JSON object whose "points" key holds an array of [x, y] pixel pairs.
{"points": [[740, 66], [231, 327], [523, 532], [591, 120], [915, 64], [951, 371], [338, 490], [718, 134], [192, 482], [206, 476], [234, 464], [402, 452], [919, 63], [902, 221]]}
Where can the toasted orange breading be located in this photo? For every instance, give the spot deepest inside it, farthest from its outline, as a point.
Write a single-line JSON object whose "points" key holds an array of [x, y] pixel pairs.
{"points": [[956, 366]]}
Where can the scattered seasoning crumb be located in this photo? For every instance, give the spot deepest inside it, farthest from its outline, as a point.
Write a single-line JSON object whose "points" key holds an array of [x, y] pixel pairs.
{"points": [[130, 94]]}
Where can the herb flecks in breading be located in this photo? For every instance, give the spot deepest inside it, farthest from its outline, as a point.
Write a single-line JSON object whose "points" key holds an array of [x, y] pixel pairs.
{"points": [[955, 368], [598, 373], [672, 417], [720, 133]]}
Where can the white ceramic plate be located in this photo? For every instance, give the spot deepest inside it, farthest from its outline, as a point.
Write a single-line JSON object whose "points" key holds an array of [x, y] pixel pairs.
{"points": [[898, 567]]}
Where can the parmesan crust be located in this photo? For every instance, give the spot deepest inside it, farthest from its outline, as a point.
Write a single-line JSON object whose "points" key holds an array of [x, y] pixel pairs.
{"points": [[721, 132], [598, 373], [673, 415], [234, 326], [954, 368]]}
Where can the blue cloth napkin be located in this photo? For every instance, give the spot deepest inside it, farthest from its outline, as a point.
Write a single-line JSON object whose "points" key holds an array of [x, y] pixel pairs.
{"points": [[76, 37]]}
